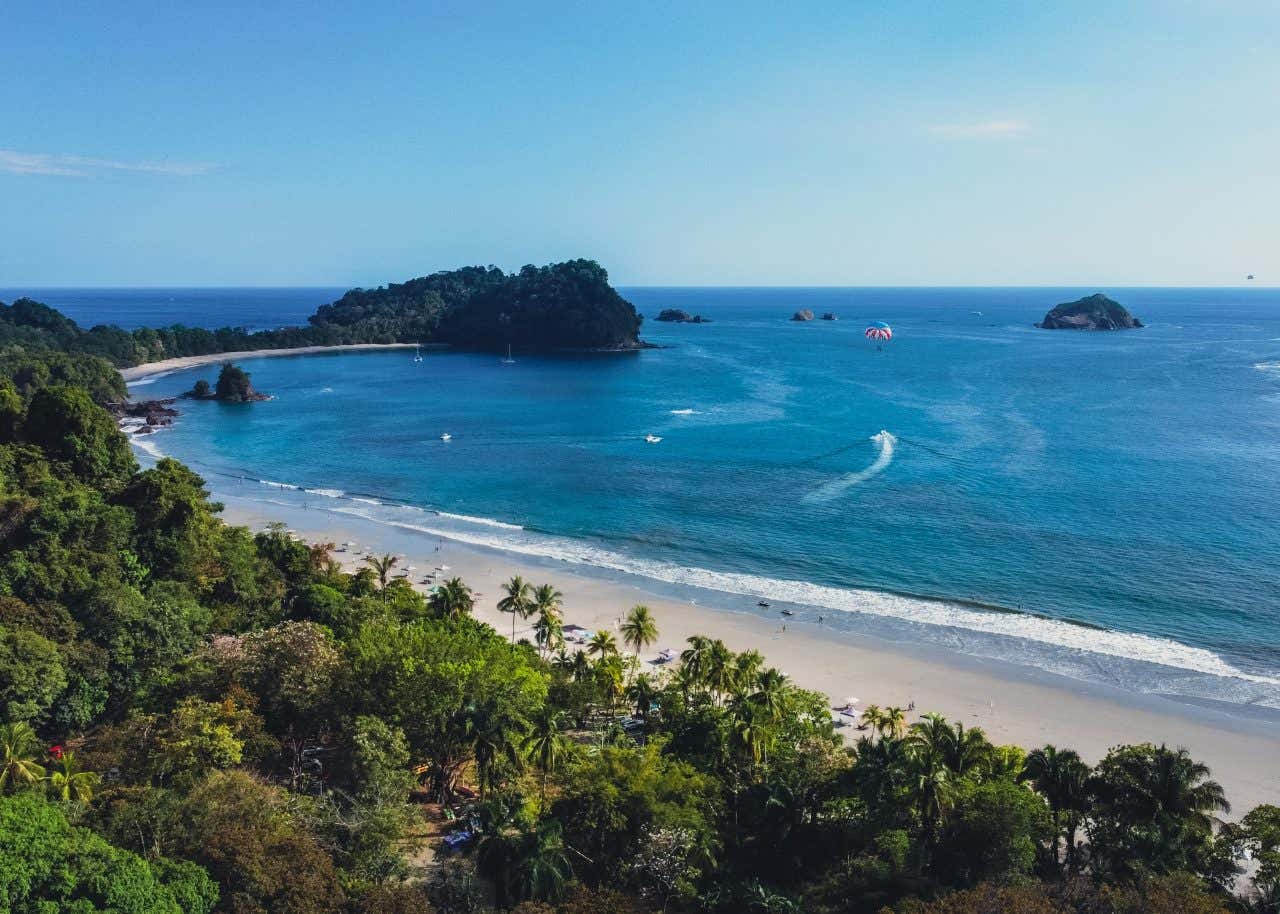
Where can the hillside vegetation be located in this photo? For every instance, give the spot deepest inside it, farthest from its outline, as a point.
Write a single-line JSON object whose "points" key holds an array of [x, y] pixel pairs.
{"points": [[563, 305]]}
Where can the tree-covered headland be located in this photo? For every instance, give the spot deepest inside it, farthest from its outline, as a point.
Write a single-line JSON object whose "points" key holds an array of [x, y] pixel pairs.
{"points": [[195, 717], [563, 305]]}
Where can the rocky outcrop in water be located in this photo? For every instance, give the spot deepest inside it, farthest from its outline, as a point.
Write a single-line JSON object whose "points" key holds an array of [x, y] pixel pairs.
{"points": [[804, 314], [677, 316], [830, 316], [1093, 312], [151, 412]]}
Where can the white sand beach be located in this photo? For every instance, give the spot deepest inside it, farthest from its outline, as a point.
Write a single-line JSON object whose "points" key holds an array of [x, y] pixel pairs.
{"points": [[194, 361], [1013, 704]]}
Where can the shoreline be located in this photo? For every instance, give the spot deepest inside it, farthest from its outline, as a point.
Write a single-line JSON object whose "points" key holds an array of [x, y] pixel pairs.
{"points": [[1012, 703], [180, 363]]}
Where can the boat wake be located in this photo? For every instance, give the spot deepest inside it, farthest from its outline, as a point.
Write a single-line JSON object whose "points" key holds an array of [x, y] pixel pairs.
{"points": [[682, 412], [886, 442]]}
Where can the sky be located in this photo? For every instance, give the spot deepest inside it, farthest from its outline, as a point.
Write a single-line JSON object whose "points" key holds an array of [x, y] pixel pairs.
{"points": [[703, 143]]}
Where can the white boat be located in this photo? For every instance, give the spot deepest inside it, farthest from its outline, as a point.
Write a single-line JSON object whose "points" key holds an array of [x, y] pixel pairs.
{"points": [[652, 439], [417, 353], [446, 437]]}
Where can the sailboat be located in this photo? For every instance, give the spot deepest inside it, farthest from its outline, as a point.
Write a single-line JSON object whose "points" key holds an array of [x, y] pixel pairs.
{"points": [[417, 353], [508, 360]]}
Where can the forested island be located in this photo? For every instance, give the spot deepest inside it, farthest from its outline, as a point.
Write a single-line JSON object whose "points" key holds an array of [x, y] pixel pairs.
{"points": [[568, 305], [196, 717]]}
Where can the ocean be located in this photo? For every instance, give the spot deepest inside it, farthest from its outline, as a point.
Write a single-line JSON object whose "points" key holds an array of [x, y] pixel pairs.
{"points": [[1095, 505]]}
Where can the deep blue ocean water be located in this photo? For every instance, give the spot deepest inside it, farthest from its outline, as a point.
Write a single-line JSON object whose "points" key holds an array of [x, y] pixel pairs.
{"points": [[1096, 504]]}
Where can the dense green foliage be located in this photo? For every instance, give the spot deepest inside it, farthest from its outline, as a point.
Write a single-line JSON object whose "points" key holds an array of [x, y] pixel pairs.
{"points": [[562, 305], [195, 717]]}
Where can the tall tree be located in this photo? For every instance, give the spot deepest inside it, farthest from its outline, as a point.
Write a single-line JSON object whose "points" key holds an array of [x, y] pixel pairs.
{"points": [[1061, 778], [517, 600], [640, 629], [382, 566]]}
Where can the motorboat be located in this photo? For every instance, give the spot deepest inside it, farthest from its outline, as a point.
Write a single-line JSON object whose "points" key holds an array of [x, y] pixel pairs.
{"points": [[652, 439]]}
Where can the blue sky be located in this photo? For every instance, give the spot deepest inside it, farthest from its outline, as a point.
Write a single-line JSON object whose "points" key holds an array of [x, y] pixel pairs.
{"points": [[850, 143]]}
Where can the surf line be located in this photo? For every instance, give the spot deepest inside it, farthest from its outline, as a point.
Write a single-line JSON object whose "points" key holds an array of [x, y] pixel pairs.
{"points": [[886, 442]]}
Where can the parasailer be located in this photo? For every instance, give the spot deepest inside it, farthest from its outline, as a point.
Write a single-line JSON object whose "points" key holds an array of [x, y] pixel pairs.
{"points": [[878, 333]]}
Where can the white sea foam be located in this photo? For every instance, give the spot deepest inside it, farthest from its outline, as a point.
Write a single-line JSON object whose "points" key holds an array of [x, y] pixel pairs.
{"points": [[276, 485], [480, 521], [683, 412], [146, 445], [886, 442], [1079, 639], [367, 501], [148, 379], [327, 493], [1271, 368]]}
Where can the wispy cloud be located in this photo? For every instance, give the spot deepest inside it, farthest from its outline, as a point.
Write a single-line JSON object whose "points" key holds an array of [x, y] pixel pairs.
{"points": [[983, 130], [74, 166]]}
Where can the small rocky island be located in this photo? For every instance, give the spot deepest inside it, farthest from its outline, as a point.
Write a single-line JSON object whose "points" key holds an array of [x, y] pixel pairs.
{"points": [[830, 316], [677, 316], [233, 387], [804, 314], [1093, 312]]}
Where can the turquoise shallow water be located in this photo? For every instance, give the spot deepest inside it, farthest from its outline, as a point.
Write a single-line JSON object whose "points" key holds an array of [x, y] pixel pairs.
{"points": [[1099, 505]]}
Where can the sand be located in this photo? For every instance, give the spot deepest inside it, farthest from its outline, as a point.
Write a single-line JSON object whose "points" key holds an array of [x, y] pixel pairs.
{"points": [[1013, 704], [194, 361]]}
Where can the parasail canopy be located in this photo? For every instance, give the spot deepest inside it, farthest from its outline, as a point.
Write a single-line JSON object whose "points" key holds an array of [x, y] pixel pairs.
{"points": [[878, 331]]}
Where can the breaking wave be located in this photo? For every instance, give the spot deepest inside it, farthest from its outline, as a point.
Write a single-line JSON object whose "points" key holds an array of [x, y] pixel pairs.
{"points": [[1079, 641]]}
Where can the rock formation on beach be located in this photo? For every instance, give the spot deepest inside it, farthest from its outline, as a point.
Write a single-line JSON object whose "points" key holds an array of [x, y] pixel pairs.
{"points": [[1093, 312], [804, 314], [677, 316], [152, 412]]}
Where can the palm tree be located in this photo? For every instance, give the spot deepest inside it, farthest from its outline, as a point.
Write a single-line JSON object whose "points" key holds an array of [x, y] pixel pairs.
{"points": [[1061, 778], [641, 629], [70, 782], [453, 599], [548, 632], [752, 729], [547, 601], [881, 771], [320, 556], [771, 693], [929, 743], [720, 670], [969, 752], [382, 566], [894, 722], [518, 601], [933, 790], [529, 864], [746, 670], [873, 717], [545, 744], [602, 645], [495, 737], [19, 749], [693, 661], [1168, 791], [642, 694]]}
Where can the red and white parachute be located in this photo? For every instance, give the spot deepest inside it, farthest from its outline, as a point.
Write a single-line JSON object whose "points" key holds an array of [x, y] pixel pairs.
{"points": [[879, 332]]}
